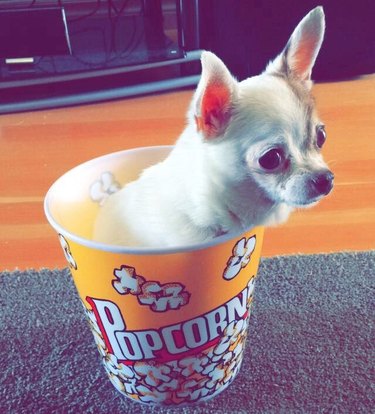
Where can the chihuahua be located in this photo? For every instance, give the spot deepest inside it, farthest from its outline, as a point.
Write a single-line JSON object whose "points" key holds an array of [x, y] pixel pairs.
{"points": [[249, 155]]}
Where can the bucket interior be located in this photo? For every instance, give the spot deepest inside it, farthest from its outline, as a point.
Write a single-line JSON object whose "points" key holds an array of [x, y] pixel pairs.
{"points": [[73, 201]]}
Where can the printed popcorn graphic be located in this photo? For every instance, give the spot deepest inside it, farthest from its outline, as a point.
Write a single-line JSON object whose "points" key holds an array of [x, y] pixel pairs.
{"points": [[127, 281], [241, 257], [68, 254], [147, 367], [159, 297], [101, 189]]}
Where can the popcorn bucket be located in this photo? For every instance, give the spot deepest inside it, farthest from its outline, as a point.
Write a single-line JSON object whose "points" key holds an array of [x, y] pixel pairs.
{"points": [[170, 324]]}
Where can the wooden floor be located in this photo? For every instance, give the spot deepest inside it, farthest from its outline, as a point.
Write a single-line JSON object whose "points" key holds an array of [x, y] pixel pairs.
{"points": [[36, 148]]}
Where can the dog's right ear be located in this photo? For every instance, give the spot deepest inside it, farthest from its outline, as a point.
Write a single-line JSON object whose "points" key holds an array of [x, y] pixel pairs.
{"points": [[214, 97]]}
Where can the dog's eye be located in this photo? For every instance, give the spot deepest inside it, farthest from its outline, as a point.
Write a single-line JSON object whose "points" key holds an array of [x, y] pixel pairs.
{"points": [[272, 159], [321, 136]]}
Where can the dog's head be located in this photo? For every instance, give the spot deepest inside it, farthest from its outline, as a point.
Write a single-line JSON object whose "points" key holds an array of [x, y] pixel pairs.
{"points": [[267, 125]]}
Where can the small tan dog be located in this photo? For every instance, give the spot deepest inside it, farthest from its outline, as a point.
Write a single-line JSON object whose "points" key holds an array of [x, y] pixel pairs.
{"points": [[249, 155]]}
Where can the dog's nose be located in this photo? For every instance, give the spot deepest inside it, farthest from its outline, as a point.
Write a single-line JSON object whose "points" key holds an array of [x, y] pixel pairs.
{"points": [[323, 182]]}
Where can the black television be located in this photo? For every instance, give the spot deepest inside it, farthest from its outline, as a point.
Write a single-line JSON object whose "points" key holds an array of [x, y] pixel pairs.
{"points": [[29, 33]]}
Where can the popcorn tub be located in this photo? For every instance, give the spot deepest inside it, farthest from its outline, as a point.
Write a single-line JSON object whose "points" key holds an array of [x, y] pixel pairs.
{"points": [[170, 324]]}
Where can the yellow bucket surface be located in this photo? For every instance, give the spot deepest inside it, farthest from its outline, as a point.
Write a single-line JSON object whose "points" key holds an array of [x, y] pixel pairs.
{"points": [[170, 324]]}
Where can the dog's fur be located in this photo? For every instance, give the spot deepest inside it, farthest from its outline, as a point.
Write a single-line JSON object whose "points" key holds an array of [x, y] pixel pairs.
{"points": [[217, 178]]}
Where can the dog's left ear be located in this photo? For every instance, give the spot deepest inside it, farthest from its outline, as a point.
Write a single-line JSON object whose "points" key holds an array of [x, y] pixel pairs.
{"points": [[212, 104], [299, 55]]}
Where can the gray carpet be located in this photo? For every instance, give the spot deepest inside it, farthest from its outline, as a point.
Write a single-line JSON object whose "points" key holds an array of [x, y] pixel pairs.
{"points": [[310, 347]]}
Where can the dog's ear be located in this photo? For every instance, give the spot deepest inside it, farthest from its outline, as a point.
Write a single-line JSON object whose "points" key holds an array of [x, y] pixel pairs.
{"points": [[299, 55], [213, 99]]}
